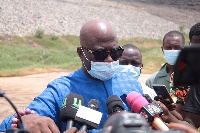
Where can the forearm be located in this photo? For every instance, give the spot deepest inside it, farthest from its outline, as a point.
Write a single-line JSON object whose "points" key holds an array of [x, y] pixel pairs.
{"points": [[176, 114], [6, 123]]}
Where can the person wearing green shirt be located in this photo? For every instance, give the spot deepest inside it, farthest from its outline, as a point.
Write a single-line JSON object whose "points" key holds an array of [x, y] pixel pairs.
{"points": [[173, 42]]}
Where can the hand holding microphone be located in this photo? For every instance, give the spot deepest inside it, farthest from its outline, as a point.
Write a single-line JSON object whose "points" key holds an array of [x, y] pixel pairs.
{"points": [[150, 111]]}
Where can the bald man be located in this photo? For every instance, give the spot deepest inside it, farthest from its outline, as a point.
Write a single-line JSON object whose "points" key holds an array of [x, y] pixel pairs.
{"points": [[96, 79]]}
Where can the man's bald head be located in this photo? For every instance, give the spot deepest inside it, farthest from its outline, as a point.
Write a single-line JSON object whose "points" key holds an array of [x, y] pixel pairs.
{"points": [[96, 30]]}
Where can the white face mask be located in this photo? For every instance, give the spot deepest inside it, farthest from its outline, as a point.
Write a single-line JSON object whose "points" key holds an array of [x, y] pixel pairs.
{"points": [[102, 70], [171, 56], [129, 70]]}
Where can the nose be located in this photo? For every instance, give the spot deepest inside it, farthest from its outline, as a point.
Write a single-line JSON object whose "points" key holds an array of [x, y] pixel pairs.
{"points": [[108, 59]]}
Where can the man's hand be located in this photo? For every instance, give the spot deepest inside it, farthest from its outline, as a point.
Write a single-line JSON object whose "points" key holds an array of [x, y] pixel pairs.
{"points": [[39, 124], [15, 120], [171, 106], [167, 116]]}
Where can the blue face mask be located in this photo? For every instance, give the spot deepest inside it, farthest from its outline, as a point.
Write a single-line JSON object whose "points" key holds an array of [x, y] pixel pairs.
{"points": [[171, 56], [130, 71], [102, 70]]}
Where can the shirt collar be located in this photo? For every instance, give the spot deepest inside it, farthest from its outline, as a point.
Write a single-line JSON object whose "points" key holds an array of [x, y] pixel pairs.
{"points": [[163, 71]]}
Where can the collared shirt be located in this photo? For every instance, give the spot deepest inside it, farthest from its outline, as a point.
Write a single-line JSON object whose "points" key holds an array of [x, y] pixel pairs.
{"points": [[49, 102], [161, 77]]}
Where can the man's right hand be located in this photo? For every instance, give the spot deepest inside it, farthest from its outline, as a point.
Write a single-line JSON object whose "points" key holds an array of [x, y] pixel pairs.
{"points": [[39, 124]]}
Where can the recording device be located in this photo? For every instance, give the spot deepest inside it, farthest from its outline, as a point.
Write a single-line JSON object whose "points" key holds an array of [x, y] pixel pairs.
{"points": [[21, 125], [114, 105], [69, 107], [150, 111], [89, 116], [162, 90], [186, 68], [127, 122]]}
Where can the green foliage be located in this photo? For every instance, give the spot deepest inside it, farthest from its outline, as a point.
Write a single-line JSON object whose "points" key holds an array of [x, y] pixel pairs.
{"points": [[53, 37], [39, 34], [61, 53], [182, 29], [57, 54]]}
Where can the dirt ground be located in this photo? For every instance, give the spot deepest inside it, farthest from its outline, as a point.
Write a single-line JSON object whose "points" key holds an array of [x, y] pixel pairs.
{"points": [[22, 90]]}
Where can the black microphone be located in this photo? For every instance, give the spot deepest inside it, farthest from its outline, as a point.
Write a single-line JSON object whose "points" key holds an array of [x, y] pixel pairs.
{"points": [[114, 105], [88, 116], [69, 107], [147, 97]]}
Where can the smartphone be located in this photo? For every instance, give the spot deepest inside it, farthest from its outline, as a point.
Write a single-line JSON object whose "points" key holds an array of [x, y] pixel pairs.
{"points": [[162, 90]]}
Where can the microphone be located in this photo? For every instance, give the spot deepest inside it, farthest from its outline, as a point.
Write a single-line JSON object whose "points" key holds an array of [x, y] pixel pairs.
{"points": [[150, 111], [89, 116], [69, 107], [147, 97], [114, 105]]}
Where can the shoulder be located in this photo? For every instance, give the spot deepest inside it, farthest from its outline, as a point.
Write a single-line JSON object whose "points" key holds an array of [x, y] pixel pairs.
{"points": [[63, 80], [152, 77], [157, 74]]}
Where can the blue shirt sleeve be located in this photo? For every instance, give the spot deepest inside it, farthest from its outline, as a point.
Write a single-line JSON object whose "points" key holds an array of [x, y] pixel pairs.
{"points": [[6, 124]]}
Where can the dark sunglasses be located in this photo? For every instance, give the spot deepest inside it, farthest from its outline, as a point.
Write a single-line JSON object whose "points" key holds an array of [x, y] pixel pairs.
{"points": [[102, 54]]}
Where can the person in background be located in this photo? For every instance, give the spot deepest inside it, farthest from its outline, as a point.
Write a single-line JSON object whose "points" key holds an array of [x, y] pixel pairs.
{"points": [[131, 60], [188, 98], [192, 102], [173, 42]]}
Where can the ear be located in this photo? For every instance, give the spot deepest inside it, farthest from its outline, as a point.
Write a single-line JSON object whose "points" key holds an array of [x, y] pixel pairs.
{"points": [[162, 49], [80, 53]]}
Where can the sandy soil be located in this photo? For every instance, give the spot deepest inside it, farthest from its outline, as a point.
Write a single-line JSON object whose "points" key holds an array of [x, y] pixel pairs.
{"points": [[22, 90]]}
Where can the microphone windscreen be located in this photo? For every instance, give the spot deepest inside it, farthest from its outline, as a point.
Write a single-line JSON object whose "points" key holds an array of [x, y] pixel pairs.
{"points": [[114, 104], [136, 101], [93, 104], [70, 106]]}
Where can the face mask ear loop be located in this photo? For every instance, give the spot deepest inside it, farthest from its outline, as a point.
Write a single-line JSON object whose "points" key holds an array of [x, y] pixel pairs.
{"points": [[86, 59]]}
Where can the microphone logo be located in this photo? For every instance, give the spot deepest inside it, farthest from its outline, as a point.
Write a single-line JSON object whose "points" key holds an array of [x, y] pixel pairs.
{"points": [[153, 109], [76, 104]]}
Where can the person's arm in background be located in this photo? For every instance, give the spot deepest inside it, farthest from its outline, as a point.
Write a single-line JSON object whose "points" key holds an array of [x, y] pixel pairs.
{"points": [[182, 127], [168, 117]]}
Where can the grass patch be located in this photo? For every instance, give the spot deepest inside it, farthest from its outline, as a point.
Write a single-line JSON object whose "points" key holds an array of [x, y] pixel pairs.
{"points": [[30, 54]]}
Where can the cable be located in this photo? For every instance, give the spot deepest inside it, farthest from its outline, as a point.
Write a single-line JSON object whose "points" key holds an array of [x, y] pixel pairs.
{"points": [[2, 94]]}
